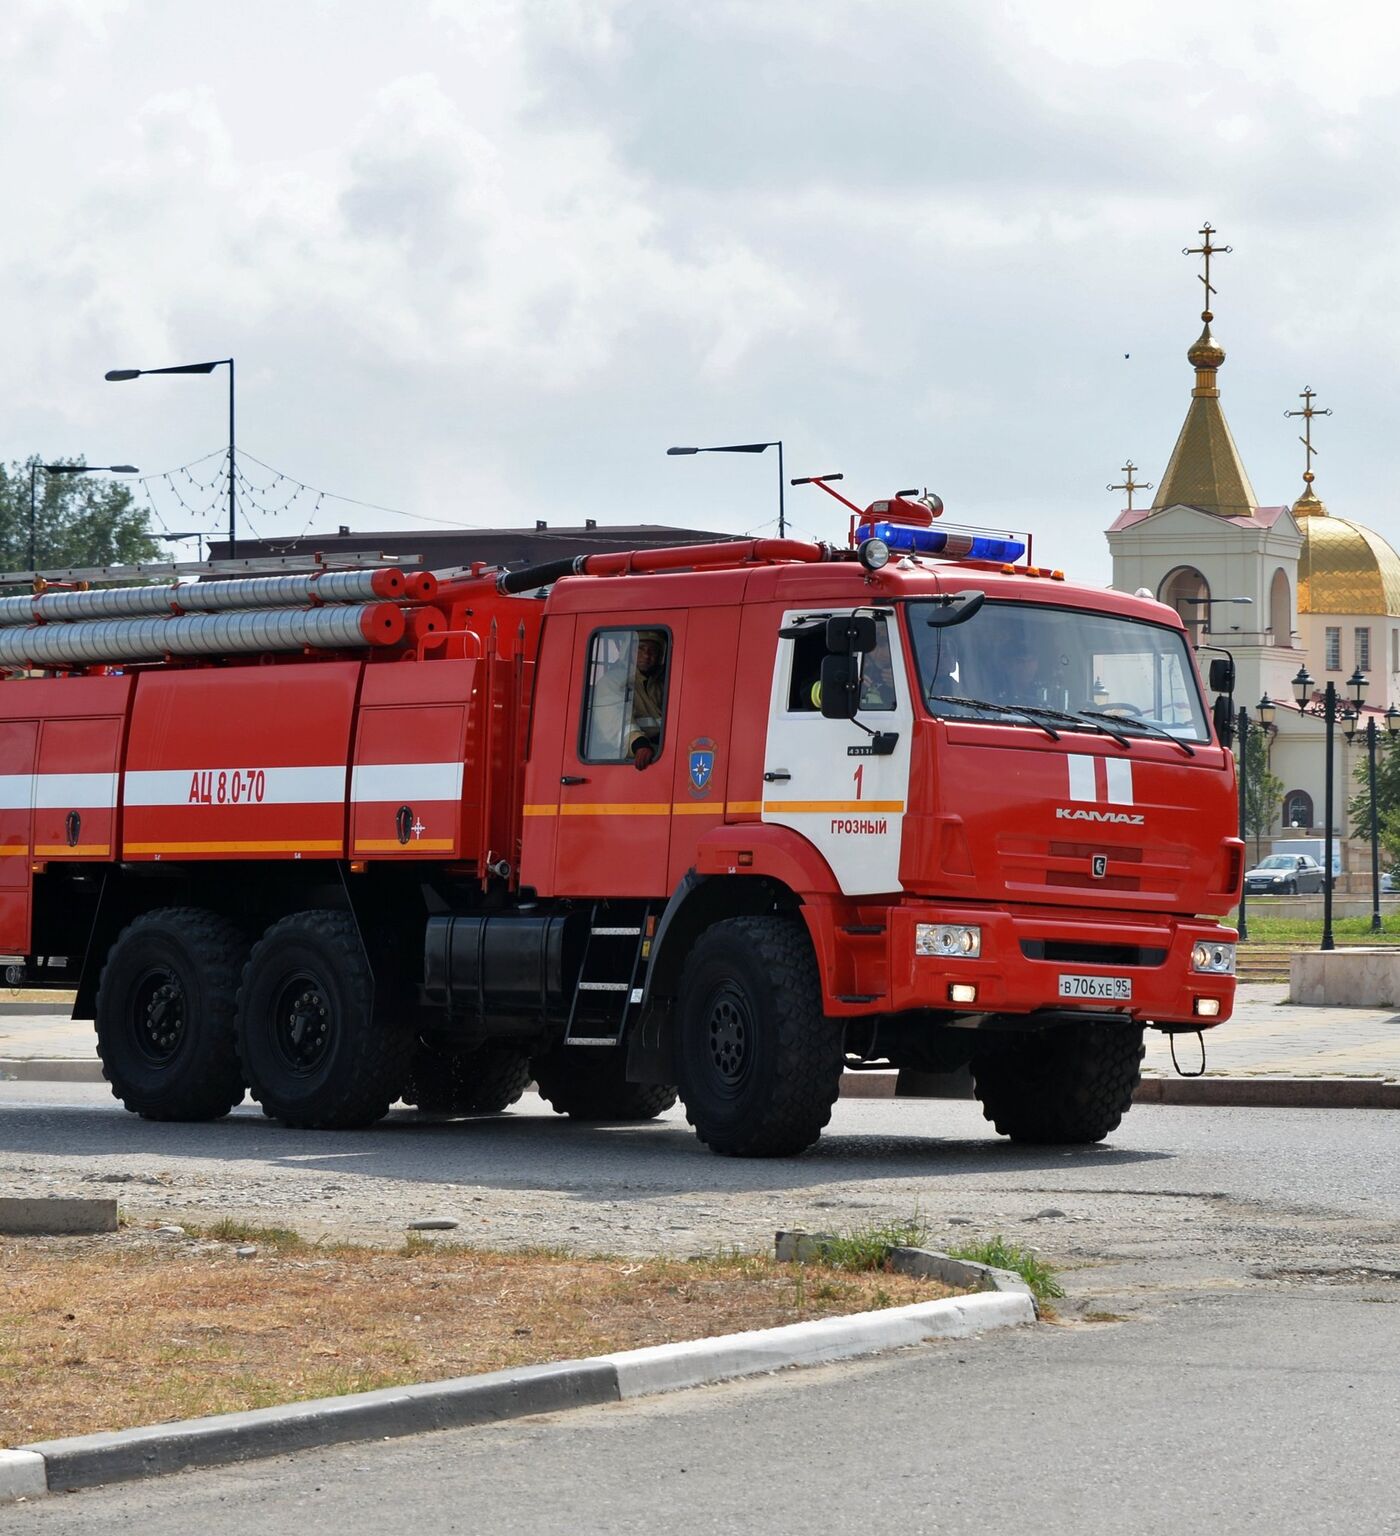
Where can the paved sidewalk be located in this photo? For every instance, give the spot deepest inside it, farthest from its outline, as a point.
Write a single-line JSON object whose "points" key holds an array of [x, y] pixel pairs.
{"points": [[1268, 1041]]}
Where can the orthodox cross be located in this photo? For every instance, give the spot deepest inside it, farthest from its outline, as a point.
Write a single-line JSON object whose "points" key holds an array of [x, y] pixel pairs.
{"points": [[1206, 250], [1307, 413], [1129, 484]]}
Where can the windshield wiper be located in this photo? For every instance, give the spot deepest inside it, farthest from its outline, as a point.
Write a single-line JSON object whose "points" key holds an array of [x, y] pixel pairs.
{"points": [[994, 709], [1143, 725], [1077, 721]]}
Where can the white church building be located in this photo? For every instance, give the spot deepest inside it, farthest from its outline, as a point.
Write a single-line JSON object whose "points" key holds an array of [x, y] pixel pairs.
{"points": [[1323, 594]]}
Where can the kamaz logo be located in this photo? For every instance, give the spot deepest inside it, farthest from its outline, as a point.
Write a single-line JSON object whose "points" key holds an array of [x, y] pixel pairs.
{"points": [[1120, 818]]}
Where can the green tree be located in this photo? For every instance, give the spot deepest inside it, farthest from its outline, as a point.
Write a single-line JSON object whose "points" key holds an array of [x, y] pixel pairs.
{"points": [[1262, 789], [1387, 796], [79, 520]]}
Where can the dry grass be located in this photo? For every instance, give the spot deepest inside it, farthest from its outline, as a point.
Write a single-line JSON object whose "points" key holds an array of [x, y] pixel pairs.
{"points": [[102, 1333]]}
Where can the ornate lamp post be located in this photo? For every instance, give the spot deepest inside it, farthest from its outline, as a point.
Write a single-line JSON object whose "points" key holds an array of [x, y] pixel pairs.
{"points": [[1327, 710], [1392, 725]]}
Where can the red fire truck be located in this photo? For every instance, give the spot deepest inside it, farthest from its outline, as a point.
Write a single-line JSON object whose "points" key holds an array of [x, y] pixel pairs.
{"points": [[719, 821]]}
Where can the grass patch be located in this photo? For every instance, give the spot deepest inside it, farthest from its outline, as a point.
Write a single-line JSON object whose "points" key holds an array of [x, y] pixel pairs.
{"points": [[128, 1328], [1268, 929], [868, 1248], [1000, 1254]]}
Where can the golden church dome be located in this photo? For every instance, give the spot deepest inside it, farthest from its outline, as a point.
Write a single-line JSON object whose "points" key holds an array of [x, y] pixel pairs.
{"points": [[1343, 567], [1205, 351]]}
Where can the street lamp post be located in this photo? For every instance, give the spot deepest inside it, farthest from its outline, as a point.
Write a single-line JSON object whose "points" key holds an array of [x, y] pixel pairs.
{"points": [[748, 448], [64, 469], [1327, 711], [1392, 724], [116, 375]]}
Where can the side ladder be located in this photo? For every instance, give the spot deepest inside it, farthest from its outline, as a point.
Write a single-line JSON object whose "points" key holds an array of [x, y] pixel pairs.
{"points": [[610, 974]]}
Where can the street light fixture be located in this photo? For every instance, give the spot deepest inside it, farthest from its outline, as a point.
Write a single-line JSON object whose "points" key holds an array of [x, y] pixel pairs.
{"points": [[748, 448], [119, 375], [65, 469], [1392, 725], [1327, 711]]}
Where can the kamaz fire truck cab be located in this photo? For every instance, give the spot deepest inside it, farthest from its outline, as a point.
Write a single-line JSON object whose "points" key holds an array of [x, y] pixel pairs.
{"points": [[911, 803]]}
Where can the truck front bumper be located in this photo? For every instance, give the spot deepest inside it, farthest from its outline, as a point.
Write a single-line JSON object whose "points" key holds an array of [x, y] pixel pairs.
{"points": [[1027, 955]]}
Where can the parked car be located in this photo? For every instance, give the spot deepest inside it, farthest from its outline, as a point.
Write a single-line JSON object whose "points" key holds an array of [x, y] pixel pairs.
{"points": [[1390, 883], [1284, 874]]}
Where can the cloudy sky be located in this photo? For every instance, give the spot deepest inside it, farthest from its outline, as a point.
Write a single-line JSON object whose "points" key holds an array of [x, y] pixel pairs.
{"points": [[484, 260]]}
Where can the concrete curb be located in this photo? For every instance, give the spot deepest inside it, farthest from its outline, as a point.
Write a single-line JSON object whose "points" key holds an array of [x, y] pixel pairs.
{"points": [[1231, 1092], [1271, 1092], [51, 1069], [85, 1461], [10, 1008]]}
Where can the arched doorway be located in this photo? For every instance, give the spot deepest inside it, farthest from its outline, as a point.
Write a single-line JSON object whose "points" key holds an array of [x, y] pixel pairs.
{"points": [[1297, 808], [1186, 590], [1281, 609]]}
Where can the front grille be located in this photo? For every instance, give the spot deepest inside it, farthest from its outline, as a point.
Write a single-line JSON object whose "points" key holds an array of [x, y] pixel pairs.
{"points": [[1067, 950], [1090, 883]]}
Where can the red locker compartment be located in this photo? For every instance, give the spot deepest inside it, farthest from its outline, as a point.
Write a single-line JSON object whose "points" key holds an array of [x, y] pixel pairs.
{"points": [[18, 740], [243, 763], [406, 787], [75, 788]]}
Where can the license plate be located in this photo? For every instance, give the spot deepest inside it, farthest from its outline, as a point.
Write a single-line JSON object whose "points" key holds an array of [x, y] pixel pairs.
{"points": [[1115, 989]]}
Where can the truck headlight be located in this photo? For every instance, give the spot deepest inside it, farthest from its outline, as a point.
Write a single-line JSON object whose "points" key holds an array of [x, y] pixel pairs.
{"points": [[1213, 959], [948, 941]]}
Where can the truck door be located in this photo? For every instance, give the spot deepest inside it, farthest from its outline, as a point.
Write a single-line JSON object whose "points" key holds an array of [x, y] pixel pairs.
{"points": [[614, 822], [825, 778]]}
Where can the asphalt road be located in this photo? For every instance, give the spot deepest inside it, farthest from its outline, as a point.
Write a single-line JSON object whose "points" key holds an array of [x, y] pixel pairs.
{"points": [[1264, 1413]]}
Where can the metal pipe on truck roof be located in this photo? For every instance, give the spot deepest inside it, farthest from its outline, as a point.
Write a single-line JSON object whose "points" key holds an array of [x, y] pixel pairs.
{"points": [[674, 557], [280, 629], [241, 593]]}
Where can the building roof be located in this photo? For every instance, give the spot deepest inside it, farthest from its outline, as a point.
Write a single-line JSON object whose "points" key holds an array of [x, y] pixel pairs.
{"points": [[1343, 567], [1205, 470], [447, 548]]}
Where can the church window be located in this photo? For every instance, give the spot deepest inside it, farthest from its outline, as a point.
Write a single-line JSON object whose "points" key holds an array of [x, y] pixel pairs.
{"points": [[1334, 649], [1297, 808], [1363, 649]]}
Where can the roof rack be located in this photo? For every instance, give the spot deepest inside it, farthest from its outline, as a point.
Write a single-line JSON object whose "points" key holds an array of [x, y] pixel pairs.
{"points": [[263, 565]]}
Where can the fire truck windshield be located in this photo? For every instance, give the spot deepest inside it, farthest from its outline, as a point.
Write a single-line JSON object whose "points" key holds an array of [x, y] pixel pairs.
{"points": [[1095, 668]]}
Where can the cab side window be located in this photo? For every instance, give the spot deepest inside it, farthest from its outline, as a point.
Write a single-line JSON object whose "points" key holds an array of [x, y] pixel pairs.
{"points": [[624, 696], [876, 673]]}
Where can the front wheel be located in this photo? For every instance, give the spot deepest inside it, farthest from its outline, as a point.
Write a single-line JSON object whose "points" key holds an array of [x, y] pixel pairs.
{"points": [[759, 1063], [1071, 1085], [315, 1049], [1291, 889]]}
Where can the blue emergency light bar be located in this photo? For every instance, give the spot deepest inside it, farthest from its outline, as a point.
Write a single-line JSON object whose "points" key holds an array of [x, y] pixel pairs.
{"points": [[951, 543]]}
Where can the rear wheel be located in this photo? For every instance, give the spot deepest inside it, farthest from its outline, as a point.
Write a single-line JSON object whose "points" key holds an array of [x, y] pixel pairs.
{"points": [[587, 1083], [483, 1081], [1291, 889], [1073, 1084], [165, 1015], [315, 1050], [760, 1065]]}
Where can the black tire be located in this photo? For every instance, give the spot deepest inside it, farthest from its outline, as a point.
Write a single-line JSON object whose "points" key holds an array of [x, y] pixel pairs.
{"points": [[165, 1015], [315, 1049], [1071, 1085], [760, 1065], [483, 1081], [587, 1083]]}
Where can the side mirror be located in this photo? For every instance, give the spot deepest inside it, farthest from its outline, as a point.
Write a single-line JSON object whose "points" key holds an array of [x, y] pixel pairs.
{"points": [[956, 609], [1223, 712], [850, 634], [1222, 674], [840, 687]]}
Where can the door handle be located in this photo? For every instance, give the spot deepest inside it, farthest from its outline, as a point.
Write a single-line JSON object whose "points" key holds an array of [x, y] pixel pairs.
{"points": [[776, 776], [573, 778]]}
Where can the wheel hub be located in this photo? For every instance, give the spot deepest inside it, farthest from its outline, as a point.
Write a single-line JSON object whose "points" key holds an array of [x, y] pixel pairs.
{"points": [[730, 1032], [159, 1015], [303, 1023]]}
